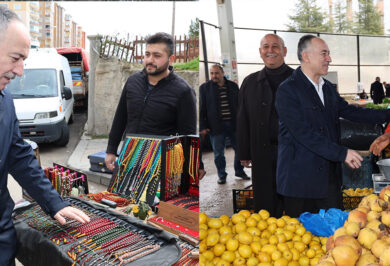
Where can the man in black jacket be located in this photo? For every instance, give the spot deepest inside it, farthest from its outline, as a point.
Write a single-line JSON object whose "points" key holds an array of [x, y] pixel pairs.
{"points": [[154, 101], [218, 109], [376, 92], [257, 123]]}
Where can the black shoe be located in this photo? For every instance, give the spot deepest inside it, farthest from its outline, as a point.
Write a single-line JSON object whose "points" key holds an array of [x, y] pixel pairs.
{"points": [[221, 180], [243, 175]]}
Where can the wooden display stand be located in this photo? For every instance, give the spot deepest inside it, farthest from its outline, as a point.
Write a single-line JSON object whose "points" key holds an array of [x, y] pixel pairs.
{"points": [[178, 215]]}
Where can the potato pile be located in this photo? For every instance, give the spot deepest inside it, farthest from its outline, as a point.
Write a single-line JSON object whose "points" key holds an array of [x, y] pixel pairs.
{"points": [[364, 239], [257, 239]]}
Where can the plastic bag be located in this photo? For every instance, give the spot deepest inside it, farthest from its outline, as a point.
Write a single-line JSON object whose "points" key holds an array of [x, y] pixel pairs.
{"points": [[323, 223]]}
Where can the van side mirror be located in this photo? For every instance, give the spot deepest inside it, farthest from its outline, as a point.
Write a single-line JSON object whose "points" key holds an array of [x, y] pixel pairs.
{"points": [[67, 93]]}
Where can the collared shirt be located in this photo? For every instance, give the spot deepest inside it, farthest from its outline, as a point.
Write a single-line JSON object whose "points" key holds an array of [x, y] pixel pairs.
{"points": [[318, 87]]}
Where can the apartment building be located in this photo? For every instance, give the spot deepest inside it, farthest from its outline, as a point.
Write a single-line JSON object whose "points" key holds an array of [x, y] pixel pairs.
{"points": [[49, 25]]}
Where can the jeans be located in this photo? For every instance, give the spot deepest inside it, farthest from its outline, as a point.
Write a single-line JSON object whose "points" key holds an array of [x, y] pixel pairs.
{"points": [[218, 143]]}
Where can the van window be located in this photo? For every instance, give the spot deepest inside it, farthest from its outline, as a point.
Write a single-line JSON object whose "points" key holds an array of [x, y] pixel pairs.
{"points": [[34, 83], [62, 80]]}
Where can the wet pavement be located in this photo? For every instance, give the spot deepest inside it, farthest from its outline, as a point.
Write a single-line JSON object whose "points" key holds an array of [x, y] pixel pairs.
{"points": [[216, 200]]}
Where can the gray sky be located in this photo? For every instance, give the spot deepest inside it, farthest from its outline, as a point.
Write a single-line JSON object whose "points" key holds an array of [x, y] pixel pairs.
{"points": [[133, 18], [268, 14], [146, 17]]}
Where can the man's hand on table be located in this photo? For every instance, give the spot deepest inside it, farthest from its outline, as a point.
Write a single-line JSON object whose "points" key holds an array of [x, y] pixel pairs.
{"points": [[71, 213]]}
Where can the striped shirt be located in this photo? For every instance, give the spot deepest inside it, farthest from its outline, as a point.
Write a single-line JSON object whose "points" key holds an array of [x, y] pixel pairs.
{"points": [[224, 107]]}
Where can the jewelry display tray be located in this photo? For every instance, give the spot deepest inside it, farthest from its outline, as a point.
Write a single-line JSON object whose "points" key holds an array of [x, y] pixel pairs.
{"points": [[34, 248]]}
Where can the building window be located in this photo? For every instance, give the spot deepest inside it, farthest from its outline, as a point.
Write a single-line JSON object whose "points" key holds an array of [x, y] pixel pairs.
{"points": [[17, 7]]}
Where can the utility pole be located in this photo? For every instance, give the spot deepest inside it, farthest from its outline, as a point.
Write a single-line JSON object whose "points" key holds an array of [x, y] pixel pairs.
{"points": [[173, 18], [227, 39]]}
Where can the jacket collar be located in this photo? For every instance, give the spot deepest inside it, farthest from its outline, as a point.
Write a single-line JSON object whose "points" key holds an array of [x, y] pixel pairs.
{"points": [[261, 75]]}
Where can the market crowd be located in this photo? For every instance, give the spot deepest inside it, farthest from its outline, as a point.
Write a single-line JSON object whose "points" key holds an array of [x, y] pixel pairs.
{"points": [[284, 125]]}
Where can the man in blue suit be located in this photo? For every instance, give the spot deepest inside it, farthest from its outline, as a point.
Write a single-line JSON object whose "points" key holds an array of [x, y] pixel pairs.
{"points": [[309, 154], [16, 156]]}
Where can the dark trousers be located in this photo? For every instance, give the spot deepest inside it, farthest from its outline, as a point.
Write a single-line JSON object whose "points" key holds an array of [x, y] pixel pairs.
{"points": [[296, 206], [8, 244], [218, 142], [264, 186], [377, 100]]}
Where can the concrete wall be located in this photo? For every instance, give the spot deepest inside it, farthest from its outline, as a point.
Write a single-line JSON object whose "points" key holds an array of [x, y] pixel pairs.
{"points": [[110, 77]]}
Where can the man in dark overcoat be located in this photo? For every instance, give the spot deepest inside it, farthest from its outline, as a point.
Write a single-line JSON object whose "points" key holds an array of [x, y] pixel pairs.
{"points": [[16, 156], [376, 91], [218, 111], [257, 123], [310, 154]]}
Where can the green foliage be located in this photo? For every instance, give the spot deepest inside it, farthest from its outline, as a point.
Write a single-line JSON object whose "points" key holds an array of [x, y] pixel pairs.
{"points": [[340, 22], [368, 19], [191, 65], [194, 28], [308, 17], [386, 100], [382, 106]]}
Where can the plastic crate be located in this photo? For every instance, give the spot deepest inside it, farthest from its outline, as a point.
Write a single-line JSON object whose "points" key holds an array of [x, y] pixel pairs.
{"points": [[351, 202], [243, 199], [379, 182]]}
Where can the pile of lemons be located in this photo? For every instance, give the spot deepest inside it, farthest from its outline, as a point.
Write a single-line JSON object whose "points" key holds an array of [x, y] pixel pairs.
{"points": [[257, 239], [360, 192]]}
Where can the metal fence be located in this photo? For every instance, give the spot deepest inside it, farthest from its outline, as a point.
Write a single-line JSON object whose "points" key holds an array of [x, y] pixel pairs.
{"points": [[355, 58], [185, 49]]}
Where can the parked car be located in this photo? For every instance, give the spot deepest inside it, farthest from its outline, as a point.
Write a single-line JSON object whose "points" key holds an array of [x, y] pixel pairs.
{"points": [[43, 97]]}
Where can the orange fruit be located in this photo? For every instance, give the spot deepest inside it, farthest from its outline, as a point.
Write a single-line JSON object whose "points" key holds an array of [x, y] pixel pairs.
{"points": [[256, 216], [202, 218], [202, 234], [228, 256], [264, 257], [280, 222], [264, 214], [225, 219], [245, 251], [252, 261], [245, 238], [245, 213], [237, 218], [281, 262], [239, 261], [304, 261], [287, 254], [254, 231], [240, 227], [218, 249], [256, 247], [214, 223], [250, 222], [224, 238], [232, 244], [262, 225], [212, 240], [225, 230], [276, 255], [208, 254]]}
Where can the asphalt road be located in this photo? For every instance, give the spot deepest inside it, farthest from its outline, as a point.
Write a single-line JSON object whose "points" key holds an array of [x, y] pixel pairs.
{"points": [[51, 153]]}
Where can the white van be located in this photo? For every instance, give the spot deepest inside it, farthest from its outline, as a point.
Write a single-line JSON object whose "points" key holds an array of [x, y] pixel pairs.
{"points": [[43, 97]]}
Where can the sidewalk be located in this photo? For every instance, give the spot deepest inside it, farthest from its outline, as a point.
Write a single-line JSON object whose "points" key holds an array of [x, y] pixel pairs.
{"points": [[79, 161]]}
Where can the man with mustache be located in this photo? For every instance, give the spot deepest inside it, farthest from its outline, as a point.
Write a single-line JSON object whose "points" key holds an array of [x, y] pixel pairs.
{"points": [[16, 156], [218, 109], [310, 155], [154, 101], [257, 123]]}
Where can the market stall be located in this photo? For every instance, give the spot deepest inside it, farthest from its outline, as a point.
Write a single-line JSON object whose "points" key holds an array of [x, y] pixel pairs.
{"points": [[147, 216]]}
